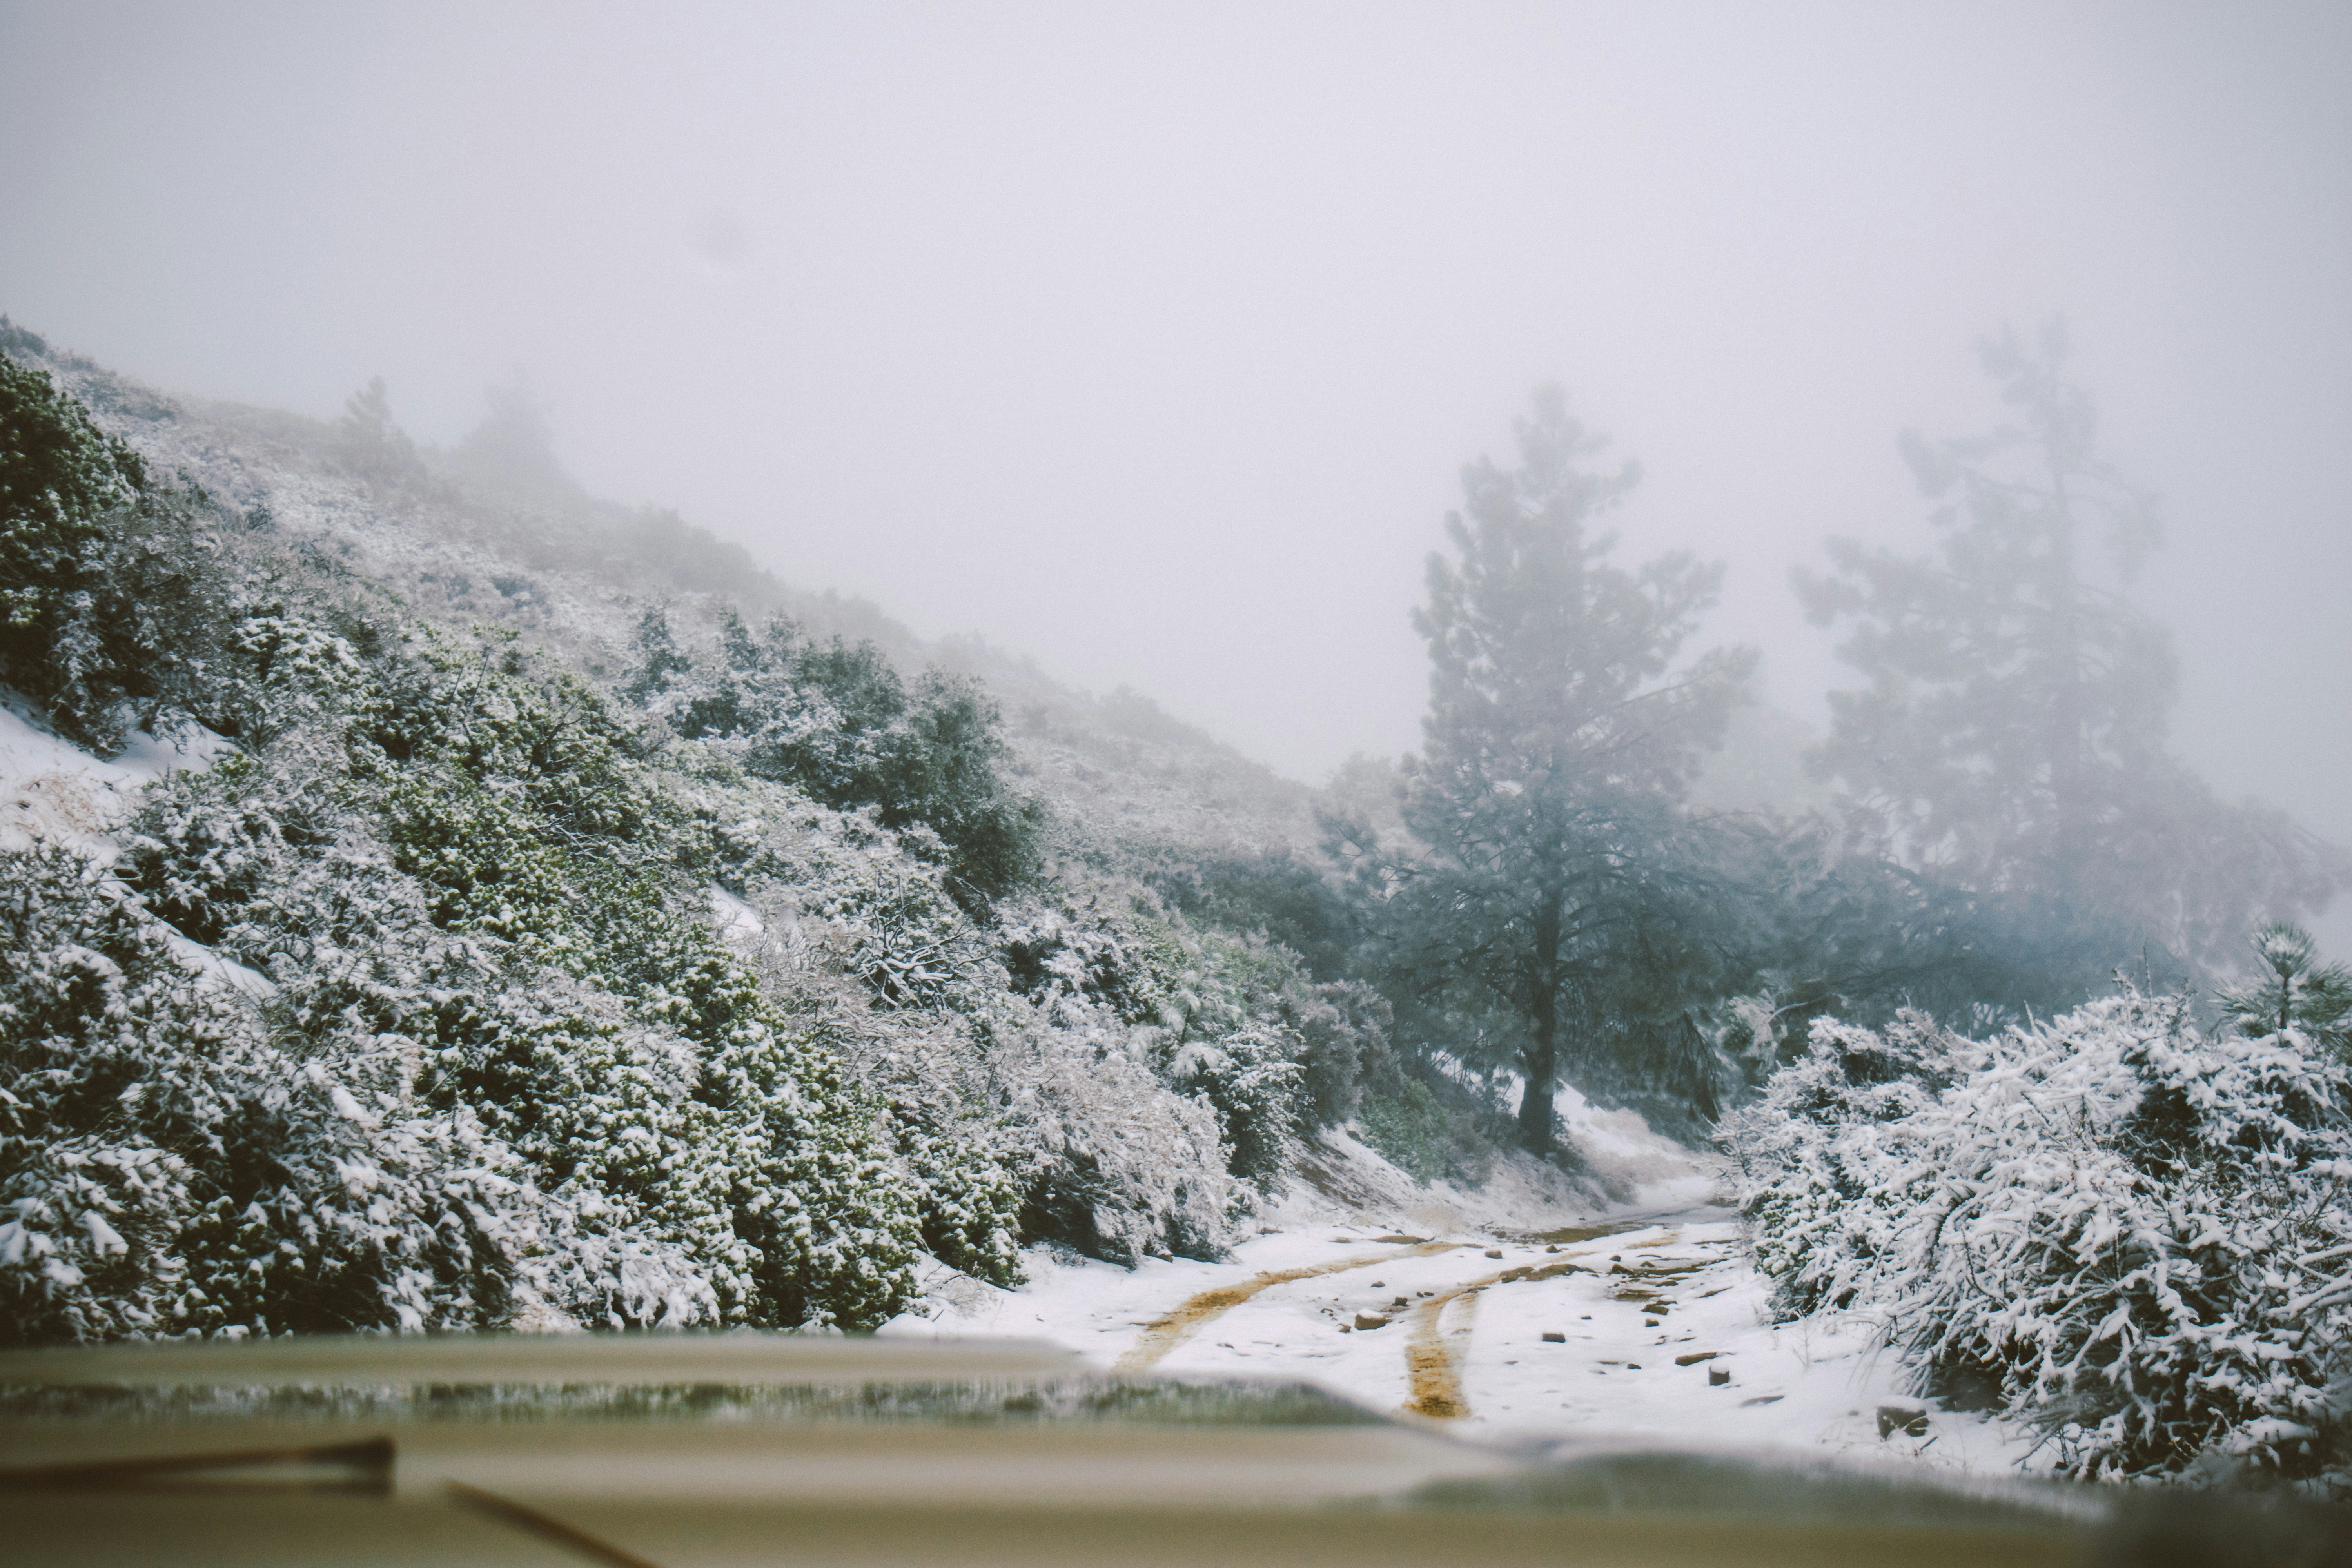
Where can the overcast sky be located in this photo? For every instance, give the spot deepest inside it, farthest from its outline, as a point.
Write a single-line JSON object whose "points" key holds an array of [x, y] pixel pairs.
{"points": [[1149, 340]]}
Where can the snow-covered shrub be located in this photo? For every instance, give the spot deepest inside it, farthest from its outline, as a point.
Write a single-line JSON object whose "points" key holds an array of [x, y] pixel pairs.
{"points": [[1114, 1162], [168, 1169], [1250, 1075], [474, 877], [836, 720], [1411, 1129], [1829, 1154], [2131, 1234]]}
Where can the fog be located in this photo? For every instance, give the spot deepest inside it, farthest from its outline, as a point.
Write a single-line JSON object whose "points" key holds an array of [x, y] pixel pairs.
{"points": [[1149, 341]]}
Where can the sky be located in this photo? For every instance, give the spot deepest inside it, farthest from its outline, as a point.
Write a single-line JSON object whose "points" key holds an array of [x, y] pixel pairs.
{"points": [[1149, 340]]}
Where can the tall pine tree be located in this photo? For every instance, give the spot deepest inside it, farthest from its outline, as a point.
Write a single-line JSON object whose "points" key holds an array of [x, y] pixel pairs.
{"points": [[1561, 733], [2010, 738]]}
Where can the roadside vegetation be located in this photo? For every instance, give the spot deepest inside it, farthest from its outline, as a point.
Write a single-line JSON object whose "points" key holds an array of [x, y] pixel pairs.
{"points": [[579, 928]]}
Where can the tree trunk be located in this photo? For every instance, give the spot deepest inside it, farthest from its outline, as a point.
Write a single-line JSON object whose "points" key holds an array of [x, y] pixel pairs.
{"points": [[1541, 1058], [2070, 840]]}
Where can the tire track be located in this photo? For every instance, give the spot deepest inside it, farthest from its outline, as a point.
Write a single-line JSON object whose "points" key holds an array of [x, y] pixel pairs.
{"points": [[1433, 1361], [1163, 1334]]}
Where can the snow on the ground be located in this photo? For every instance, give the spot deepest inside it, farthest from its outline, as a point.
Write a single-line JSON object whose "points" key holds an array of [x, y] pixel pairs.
{"points": [[1811, 1388], [53, 792]]}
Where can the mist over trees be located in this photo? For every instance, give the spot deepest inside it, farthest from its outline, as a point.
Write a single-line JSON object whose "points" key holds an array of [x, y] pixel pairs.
{"points": [[1539, 897], [2010, 740]]}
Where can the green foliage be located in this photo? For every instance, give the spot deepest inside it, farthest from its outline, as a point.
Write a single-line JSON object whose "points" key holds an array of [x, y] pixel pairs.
{"points": [[1410, 1129], [105, 580], [2298, 991], [473, 861], [167, 1168], [835, 719]]}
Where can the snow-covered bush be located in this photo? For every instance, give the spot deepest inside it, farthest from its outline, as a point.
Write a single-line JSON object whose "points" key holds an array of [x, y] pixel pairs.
{"points": [[464, 875], [167, 1168], [1113, 1162], [2127, 1232], [836, 720]]}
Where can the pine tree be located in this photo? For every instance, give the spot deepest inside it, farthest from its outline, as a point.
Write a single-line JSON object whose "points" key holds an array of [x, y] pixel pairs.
{"points": [[2011, 739], [2296, 991], [2012, 697], [1560, 738]]}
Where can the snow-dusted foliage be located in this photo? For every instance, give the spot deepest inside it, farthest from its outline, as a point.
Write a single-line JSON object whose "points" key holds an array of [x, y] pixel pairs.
{"points": [[477, 986], [2129, 1232], [166, 1167]]}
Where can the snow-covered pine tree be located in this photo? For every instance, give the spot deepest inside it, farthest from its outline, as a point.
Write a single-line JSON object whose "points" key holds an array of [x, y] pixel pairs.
{"points": [[1560, 735]]}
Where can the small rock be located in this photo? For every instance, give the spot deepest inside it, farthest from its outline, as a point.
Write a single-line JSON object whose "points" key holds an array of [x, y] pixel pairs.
{"points": [[1370, 1320], [1551, 1249], [1763, 1399], [1494, 1252], [1716, 1377], [1632, 1366], [1696, 1357], [1377, 1283], [1649, 1322], [1553, 1337], [1894, 1418], [1346, 1330]]}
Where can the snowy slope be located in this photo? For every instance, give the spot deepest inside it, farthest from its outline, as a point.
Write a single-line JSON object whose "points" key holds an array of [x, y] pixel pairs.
{"points": [[53, 792]]}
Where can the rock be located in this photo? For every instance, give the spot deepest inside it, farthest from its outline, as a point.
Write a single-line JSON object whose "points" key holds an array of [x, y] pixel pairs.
{"points": [[1649, 1322], [1346, 1330], [1696, 1357], [1370, 1320], [1894, 1418], [1763, 1399], [1551, 1249], [1494, 1252], [1632, 1366], [1553, 1337], [1716, 1377]]}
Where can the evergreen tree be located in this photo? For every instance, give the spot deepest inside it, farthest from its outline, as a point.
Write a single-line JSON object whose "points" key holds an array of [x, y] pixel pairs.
{"points": [[1560, 735], [2296, 990], [2012, 698], [2010, 737]]}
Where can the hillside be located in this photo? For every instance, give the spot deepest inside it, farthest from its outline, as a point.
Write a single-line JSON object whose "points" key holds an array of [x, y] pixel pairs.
{"points": [[523, 933]]}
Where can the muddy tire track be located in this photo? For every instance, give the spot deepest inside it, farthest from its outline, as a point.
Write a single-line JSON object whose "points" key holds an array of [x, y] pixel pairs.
{"points": [[1163, 1334], [1432, 1359], [1432, 1375]]}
